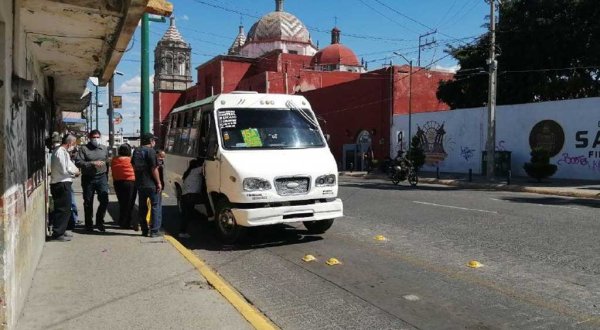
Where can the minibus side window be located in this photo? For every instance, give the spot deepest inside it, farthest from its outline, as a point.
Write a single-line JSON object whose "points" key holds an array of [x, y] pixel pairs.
{"points": [[205, 125], [212, 147]]}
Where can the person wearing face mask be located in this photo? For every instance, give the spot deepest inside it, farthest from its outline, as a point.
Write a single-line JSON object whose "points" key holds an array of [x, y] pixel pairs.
{"points": [[63, 170], [92, 159]]}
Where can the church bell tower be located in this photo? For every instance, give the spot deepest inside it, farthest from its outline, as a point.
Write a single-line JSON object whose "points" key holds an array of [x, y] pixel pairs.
{"points": [[172, 57]]}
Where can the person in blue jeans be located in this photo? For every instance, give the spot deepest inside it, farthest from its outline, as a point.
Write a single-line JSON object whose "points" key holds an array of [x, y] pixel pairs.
{"points": [[92, 159], [147, 181]]}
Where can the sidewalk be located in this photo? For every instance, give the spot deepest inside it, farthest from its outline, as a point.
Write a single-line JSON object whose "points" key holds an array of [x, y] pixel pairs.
{"points": [[557, 187], [120, 280]]}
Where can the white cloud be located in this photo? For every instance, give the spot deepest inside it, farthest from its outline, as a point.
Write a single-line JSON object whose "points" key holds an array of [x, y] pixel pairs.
{"points": [[131, 85], [451, 69], [134, 85], [185, 17]]}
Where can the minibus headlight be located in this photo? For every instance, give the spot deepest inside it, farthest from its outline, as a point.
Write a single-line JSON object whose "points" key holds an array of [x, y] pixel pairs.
{"points": [[325, 180], [253, 184]]}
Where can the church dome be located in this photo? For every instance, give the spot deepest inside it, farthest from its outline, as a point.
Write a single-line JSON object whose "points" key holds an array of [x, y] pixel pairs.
{"points": [[278, 26], [336, 53]]}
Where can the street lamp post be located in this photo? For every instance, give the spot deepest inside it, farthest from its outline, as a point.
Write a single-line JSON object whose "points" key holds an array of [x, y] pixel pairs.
{"points": [[410, 64], [111, 111], [96, 106]]}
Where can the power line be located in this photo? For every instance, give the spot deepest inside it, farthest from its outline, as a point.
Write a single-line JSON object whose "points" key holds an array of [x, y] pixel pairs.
{"points": [[389, 18], [311, 28]]}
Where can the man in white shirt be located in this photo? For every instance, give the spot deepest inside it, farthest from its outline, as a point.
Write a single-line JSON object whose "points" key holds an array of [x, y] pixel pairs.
{"points": [[62, 171]]}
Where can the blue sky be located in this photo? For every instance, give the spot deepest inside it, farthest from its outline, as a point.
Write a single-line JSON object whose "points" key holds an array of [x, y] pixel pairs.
{"points": [[374, 29]]}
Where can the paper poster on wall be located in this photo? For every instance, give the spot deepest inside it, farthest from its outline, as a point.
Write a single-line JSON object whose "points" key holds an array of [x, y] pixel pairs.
{"points": [[252, 137], [227, 119]]}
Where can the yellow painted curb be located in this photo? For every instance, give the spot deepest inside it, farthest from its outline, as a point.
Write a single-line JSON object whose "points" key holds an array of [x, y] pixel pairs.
{"points": [[257, 319]]}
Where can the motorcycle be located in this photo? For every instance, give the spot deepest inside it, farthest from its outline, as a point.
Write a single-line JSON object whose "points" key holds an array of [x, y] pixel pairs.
{"points": [[404, 170]]}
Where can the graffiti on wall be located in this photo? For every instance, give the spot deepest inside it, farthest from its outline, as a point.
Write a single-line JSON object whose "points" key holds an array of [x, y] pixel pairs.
{"points": [[431, 136], [501, 146], [579, 161], [466, 153]]}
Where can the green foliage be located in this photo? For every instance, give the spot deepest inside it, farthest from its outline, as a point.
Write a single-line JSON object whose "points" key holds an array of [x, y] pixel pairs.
{"points": [[540, 168], [416, 154], [547, 50]]}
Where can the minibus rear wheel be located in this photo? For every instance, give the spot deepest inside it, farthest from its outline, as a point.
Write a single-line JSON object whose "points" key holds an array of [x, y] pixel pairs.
{"points": [[318, 227], [229, 230]]}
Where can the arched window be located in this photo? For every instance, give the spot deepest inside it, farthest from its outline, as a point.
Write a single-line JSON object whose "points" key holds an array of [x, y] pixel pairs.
{"points": [[169, 64], [181, 65]]}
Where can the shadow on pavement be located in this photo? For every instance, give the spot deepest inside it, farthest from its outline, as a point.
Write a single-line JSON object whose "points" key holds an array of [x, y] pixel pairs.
{"points": [[112, 211], [401, 186], [556, 201], [205, 236]]}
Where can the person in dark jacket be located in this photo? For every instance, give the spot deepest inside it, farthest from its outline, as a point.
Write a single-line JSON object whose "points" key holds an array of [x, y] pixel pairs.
{"points": [[92, 159]]}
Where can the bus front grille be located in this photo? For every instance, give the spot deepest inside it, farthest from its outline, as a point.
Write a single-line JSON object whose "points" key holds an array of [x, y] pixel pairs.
{"points": [[292, 186]]}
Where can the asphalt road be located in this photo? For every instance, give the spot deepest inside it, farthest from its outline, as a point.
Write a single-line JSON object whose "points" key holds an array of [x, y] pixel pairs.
{"points": [[540, 256]]}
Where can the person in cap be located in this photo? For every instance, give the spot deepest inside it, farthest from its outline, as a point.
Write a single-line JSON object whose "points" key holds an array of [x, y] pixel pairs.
{"points": [[92, 159], [149, 187]]}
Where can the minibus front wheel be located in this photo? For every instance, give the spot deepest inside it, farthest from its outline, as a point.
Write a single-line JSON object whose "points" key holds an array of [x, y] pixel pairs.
{"points": [[318, 227], [229, 230]]}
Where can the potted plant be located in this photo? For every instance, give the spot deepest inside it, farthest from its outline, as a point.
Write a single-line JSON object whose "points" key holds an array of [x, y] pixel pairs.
{"points": [[539, 167]]}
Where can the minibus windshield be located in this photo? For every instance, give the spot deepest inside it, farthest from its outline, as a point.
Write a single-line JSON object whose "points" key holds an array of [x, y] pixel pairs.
{"points": [[268, 129]]}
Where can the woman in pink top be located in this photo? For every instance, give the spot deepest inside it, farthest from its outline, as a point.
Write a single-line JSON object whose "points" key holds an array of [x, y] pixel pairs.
{"points": [[124, 182]]}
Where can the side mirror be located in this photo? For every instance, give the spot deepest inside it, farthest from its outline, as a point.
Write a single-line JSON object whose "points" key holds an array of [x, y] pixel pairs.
{"points": [[327, 137]]}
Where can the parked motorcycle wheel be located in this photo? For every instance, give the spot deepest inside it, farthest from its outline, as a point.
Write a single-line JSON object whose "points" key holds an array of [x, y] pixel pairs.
{"points": [[413, 178], [395, 178]]}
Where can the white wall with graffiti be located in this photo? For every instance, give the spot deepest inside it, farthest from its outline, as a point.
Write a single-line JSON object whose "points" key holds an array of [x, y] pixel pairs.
{"points": [[454, 140]]}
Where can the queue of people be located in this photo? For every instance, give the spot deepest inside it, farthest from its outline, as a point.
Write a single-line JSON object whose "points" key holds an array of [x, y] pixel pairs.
{"points": [[135, 172]]}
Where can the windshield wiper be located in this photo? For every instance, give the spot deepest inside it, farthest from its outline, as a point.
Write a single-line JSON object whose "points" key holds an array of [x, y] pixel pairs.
{"points": [[290, 104]]}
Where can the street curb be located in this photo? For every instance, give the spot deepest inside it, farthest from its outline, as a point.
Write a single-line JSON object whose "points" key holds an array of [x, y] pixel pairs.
{"points": [[513, 188], [257, 319], [490, 186]]}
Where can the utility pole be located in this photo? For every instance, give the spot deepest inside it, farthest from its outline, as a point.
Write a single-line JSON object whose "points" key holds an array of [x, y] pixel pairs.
{"points": [[111, 111], [96, 106], [427, 43], [410, 65], [145, 96], [145, 70], [391, 102], [493, 66]]}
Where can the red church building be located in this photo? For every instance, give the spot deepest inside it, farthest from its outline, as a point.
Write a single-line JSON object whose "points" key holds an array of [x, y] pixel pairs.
{"points": [[354, 106]]}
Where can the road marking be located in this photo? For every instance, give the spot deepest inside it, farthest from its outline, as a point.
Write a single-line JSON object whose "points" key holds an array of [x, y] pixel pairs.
{"points": [[257, 319], [455, 207], [411, 297], [508, 291], [543, 205]]}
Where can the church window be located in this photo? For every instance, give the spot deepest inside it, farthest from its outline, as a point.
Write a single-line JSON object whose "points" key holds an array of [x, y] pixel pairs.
{"points": [[169, 64], [181, 65]]}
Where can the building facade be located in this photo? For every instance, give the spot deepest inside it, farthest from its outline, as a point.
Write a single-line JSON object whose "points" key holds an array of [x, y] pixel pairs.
{"points": [[278, 56], [48, 50]]}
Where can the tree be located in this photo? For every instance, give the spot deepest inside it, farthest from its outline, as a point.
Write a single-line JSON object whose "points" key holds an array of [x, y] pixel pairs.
{"points": [[548, 51], [416, 154]]}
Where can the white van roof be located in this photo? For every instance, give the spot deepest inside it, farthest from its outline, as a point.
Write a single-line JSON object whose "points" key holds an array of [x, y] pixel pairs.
{"points": [[245, 99]]}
